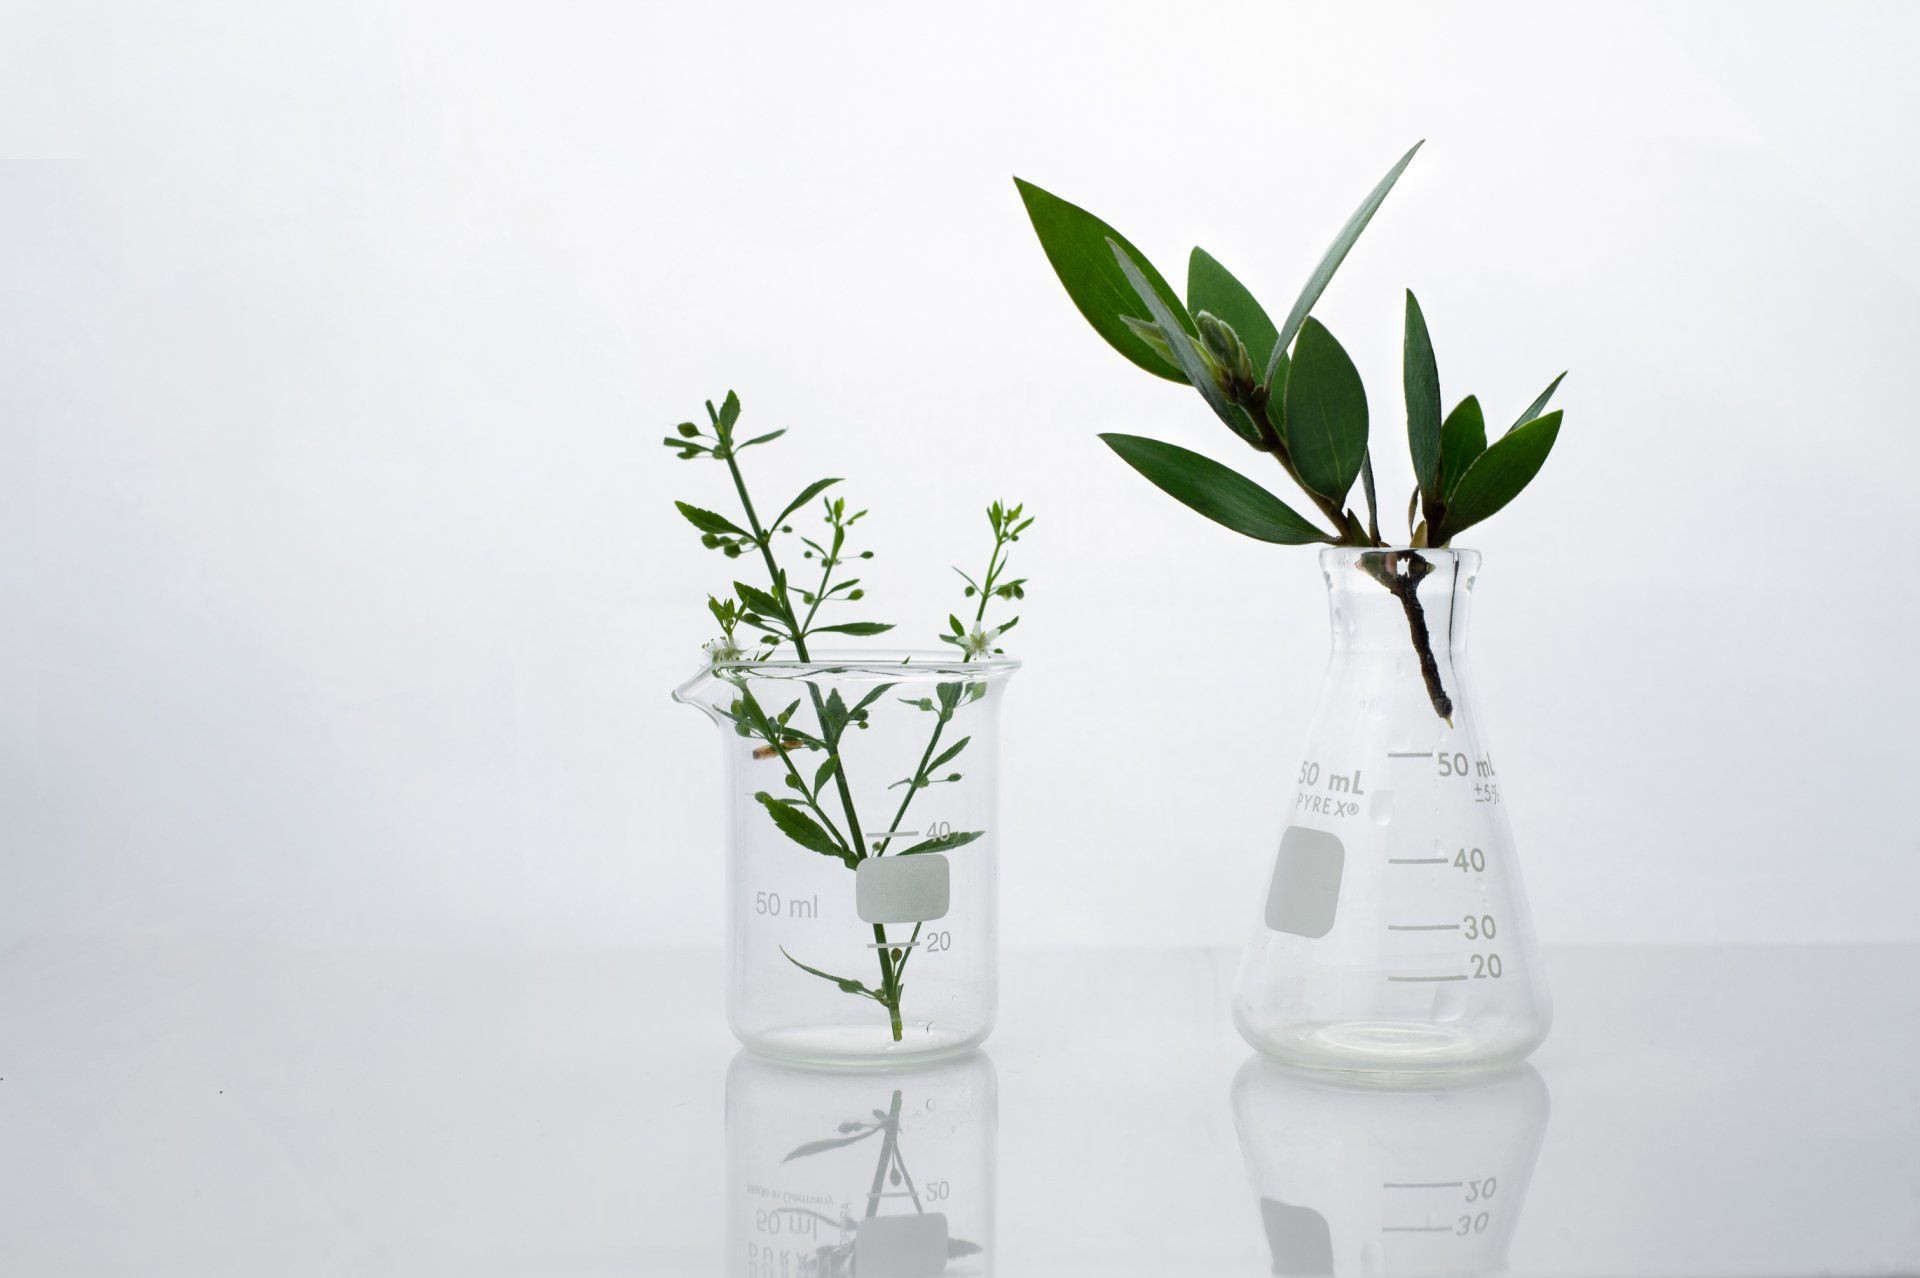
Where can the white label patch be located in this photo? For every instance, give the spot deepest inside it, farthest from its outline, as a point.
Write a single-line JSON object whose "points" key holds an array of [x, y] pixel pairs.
{"points": [[901, 1246], [1306, 882], [902, 889]]}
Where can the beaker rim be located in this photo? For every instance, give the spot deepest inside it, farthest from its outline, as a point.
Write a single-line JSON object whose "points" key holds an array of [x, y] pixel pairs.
{"points": [[876, 664], [881, 660]]}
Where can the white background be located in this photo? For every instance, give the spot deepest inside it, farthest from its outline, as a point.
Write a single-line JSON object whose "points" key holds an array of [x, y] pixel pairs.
{"points": [[340, 588]]}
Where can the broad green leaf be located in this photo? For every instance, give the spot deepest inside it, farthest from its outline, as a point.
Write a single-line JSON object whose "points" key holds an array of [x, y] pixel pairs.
{"points": [[1326, 414], [807, 494], [729, 412], [1192, 363], [759, 601], [801, 828], [1337, 253], [708, 522], [1212, 287], [1420, 377], [846, 985], [1463, 437], [1076, 244], [1366, 485], [1499, 474], [1219, 492], [1534, 409], [943, 843], [854, 628]]}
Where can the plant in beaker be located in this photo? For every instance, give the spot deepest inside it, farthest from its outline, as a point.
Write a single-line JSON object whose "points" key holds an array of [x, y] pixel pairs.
{"points": [[805, 797], [1394, 933]]}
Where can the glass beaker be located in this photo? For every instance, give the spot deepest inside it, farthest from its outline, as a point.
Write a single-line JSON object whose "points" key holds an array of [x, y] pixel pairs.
{"points": [[882, 1173], [1394, 933], [1389, 1179], [862, 799]]}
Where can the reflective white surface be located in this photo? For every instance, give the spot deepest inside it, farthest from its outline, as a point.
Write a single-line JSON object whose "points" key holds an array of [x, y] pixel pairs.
{"points": [[206, 1111]]}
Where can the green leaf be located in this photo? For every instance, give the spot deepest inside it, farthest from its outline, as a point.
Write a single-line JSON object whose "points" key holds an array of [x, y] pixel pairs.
{"points": [[807, 494], [1499, 474], [943, 842], [1420, 377], [1076, 244], [729, 412], [1463, 437], [947, 755], [1220, 493], [1539, 403], [708, 522], [758, 600], [1337, 253], [1326, 413], [761, 439], [846, 985], [1192, 363], [854, 628], [801, 828], [813, 1147], [1212, 287]]}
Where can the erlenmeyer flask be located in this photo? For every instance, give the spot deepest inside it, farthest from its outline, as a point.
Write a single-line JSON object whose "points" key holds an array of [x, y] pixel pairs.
{"points": [[1394, 933]]}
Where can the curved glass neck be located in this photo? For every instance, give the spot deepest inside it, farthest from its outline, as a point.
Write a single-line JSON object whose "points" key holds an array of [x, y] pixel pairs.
{"points": [[1382, 600]]}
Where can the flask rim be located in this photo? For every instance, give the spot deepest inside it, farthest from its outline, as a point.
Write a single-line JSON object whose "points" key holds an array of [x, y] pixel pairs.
{"points": [[897, 665]]}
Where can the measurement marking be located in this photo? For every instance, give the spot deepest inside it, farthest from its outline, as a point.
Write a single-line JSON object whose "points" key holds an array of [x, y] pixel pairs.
{"points": [[894, 1193], [1416, 1229], [1426, 1184], [1423, 927], [892, 945], [893, 834], [1416, 860], [1409, 754], [1461, 977]]}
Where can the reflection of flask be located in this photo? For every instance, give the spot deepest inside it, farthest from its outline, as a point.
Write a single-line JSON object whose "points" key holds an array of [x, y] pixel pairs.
{"points": [[1365, 1177], [884, 1174], [1394, 933]]}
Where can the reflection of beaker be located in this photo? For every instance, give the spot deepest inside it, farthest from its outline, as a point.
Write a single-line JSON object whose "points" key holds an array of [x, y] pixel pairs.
{"points": [[1394, 933], [1365, 1177], [884, 1174]]}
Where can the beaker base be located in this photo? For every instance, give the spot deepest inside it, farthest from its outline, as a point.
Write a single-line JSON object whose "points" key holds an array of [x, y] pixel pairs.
{"points": [[846, 1046], [1392, 1047]]}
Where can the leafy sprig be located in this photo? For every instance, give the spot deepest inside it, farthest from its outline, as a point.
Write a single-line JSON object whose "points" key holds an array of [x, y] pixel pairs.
{"points": [[1291, 391], [786, 615]]}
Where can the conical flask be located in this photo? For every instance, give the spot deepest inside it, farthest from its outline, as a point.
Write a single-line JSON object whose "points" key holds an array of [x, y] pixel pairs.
{"points": [[1393, 932]]}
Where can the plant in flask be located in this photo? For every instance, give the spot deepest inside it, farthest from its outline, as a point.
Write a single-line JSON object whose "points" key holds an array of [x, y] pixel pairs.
{"points": [[851, 859], [1368, 955]]}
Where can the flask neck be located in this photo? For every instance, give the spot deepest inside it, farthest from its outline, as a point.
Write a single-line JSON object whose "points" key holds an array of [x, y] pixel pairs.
{"points": [[1387, 600]]}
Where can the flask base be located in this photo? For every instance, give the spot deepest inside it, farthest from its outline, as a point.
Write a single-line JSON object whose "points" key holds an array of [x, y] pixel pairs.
{"points": [[846, 1045], [1394, 1047]]}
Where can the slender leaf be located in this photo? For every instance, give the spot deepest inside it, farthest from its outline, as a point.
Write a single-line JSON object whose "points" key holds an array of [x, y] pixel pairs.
{"points": [[1076, 242], [1212, 287], [854, 628], [1539, 403], [1326, 413], [813, 1147], [947, 755], [1499, 474], [708, 522], [807, 494], [846, 985], [944, 842], [761, 439], [1463, 437], [1220, 493], [801, 828], [759, 600], [1420, 377], [1192, 363], [1336, 253]]}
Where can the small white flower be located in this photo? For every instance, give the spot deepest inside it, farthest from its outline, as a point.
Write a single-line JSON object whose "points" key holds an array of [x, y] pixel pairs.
{"points": [[979, 643], [723, 650]]}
